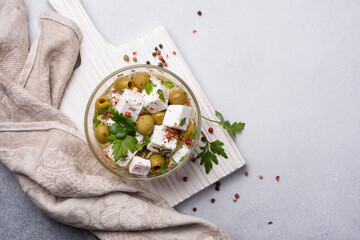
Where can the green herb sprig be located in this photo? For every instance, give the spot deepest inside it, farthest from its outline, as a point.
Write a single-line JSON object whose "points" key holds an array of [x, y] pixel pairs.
{"points": [[232, 129], [149, 88]]}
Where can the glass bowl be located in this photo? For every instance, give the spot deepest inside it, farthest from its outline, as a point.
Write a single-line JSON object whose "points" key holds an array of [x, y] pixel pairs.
{"points": [[105, 84]]}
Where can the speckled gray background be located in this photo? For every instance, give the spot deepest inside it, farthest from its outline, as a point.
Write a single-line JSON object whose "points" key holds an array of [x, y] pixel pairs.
{"points": [[290, 69]]}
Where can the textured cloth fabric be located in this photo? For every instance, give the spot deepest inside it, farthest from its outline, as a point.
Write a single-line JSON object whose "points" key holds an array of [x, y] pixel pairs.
{"points": [[48, 155]]}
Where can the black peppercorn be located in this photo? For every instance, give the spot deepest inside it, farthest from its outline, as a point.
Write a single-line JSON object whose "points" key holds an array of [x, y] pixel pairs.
{"points": [[158, 52], [156, 48], [154, 54], [160, 64], [199, 13], [217, 188], [160, 46], [203, 139], [162, 60], [147, 62]]}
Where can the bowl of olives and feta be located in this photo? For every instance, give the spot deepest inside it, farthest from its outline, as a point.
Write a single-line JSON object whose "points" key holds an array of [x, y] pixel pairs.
{"points": [[141, 122]]}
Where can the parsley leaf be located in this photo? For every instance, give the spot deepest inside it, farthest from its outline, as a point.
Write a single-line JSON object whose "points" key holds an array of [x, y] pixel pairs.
{"points": [[161, 95], [126, 122], [164, 166], [209, 152], [96, 121], [149, 88], [118, 130], [169, 84], [182, 158], [145, 142], [112, 137], [122, 146], [182, 122], [232, 129]]}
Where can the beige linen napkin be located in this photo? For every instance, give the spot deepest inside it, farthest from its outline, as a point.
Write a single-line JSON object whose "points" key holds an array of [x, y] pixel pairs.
{"points": [[49, 157]]}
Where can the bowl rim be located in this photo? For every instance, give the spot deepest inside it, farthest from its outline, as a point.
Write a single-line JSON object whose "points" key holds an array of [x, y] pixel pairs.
{"points": [[198, 127]]}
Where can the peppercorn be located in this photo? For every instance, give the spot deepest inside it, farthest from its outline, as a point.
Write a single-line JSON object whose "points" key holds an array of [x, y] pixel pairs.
{"points": [[185, 179], [234, 199], [176, 131], [193, 159], [212, 200], [246, 173], [203, 139], [237, 195], [261, 177], [165, 64], [127, 114], [217, 188], [160, 57], [134, 59], [277, 178], [160, 46], [163, 60], [156, 48], [147, 62], [211, 129], [194, 209], [188, 142], [269, 223], [158, 52], [218, 183], [160, 64], [154, 54], [126, 58], [174, 53], [199, 13]]}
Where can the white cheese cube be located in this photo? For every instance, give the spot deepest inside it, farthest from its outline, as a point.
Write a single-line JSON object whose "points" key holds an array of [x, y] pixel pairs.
{"points": [[131, 102], [139, 166], [115, 98], [161, 142], [122, 162], [180, 154], [109, 122], [152, 102], [174, 116]]}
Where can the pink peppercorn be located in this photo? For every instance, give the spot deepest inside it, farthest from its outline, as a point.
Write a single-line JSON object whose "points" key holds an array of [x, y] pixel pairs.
{"points": [[212, 200], [165, 64], [176, 131], [127, 114], [210, 130], [188, 142], [185, 179], [174, 52]]}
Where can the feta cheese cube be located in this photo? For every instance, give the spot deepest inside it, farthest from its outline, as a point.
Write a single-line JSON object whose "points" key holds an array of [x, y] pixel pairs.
{"points": [[152, 102], [174, 114], [139, 166], [122, 162], [180, 154], [109, 122], [132, 102], [115, 98], [159, 142]]}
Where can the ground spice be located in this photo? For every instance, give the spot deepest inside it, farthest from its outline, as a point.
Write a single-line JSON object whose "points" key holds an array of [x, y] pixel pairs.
{"points": [[185, 179], [261, 177], [277, 178], [134, 59], [126, 58], [212, 200], [246, 173], [199, 13], [194, 209]]}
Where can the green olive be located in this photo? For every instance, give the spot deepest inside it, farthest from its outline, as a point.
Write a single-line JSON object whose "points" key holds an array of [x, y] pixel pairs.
{"points": [[187, 134], [178, 97], [157, 161], [141, 79], [122, 83], [103, 105], [102, 133], [145, 124], [158, 117]]}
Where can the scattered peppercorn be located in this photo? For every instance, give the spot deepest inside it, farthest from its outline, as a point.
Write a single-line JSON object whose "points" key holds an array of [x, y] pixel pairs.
{"points": [[160, 64], [185, 179], [211, 130], [160, 46], [203, 139], [269, 223], [193, 159], [277, 178], [261, 177], [108, 115], [156, 48], [134, 59], [167, 55], [174, 53], [134, 53], [126, 58], [158, 52], [234, 199], [217, 188], [154, 54], [188, 103], [246, 173], [212, 200], [194, 209], [163, 60], [160, 57], [147, 62], [127, 114], [194, 31], [176, 131], [188, 142], [114, 91], [140, 90], [237, 195], [218, 183], [167, 136], [165, 64], [199, 13]]}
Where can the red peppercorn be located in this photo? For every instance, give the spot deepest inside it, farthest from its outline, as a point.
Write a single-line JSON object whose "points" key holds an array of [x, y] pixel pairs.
{"points": [[114, 91], [185, 179], [277, 178], [212, 200], [134, 53], [160, 57], [269, 223], [193, 159], [188, 142], [127, 114], [194, 209], [167, 136], [211, 129], [176, 131], [218, 183], [246, 173], [165, 64], [140, 90], [188, 103], [108, 115], [194, 31], [167, 55], [237, 195], [174, 52]]}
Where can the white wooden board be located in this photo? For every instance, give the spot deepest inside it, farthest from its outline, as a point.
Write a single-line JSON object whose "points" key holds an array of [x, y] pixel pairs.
{"points": [[99, 59]]}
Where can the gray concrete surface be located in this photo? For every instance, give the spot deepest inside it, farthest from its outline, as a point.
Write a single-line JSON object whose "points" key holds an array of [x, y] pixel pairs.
{"points": [[290, 70]]}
